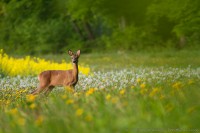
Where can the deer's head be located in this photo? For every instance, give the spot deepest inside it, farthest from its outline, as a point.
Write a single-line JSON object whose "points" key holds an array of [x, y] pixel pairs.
{"points": [[75, 56]]}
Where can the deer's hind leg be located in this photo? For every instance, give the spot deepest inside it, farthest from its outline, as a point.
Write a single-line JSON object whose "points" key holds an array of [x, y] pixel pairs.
{"points": [[48, 90], [39, 89]]}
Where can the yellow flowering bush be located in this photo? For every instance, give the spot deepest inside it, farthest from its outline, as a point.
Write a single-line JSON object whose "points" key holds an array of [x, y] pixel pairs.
{"points": [[32, 66]]}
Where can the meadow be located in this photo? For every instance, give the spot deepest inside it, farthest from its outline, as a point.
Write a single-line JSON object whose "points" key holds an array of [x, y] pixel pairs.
{"points": [[116, 92]]}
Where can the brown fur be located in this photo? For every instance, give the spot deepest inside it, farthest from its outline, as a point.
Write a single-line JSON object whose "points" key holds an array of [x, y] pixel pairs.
{"points": [[51, 78]]}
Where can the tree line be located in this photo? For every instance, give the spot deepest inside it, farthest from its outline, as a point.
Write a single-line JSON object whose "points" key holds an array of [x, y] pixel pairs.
{"points": [[52, 26]]}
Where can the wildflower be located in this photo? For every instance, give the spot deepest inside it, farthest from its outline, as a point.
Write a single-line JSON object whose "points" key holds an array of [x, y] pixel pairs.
{"points": [[190, 81], [132, 87], [138, 80], [88, 118], [79, 112], [30, 98], [177, 85], [142, 85], [13, 111], [27, 65], [7, 102], [169, 107], [154, 92], [191, 109], [90, 91], [114, 100], [108, 96], [143, 91], [64, 96], [32, 106], [70, 101], [69, 89], [76, 94], [162, 96], [21, 121], [125, 103], [39, 120], [122, 92]]}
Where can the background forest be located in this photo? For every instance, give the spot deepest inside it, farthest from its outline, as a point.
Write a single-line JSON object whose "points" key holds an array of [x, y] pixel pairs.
{"points": [[52, 26]]}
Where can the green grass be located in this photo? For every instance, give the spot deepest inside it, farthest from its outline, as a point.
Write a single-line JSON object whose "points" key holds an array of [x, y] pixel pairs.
{"points": [[123, 59], [172, 105]]}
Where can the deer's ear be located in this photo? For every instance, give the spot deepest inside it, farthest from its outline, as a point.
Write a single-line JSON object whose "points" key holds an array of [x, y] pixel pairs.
{"points": [[70, 52], [78, 52]]}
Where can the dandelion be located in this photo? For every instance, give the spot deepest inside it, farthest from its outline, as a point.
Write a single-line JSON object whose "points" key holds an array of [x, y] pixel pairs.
{"points": [[21, 121], [64, 96], [162, 97], [13, 111], [90, 91], [39, 120], [76, 94], [177, 85], [143, 91], [69, 89], [169, 107], [154, 92], [191, 109], [108, 96], [88, 118], [114, 100], [32, 106], [132, 87], [142, 85], [138, 80], [30, 98], [70, 101], [122, 92], [79, 112], [190, 81]]}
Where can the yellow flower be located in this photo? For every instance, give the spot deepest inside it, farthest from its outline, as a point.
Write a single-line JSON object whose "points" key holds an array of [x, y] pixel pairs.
{"points": [[138, 80], [108, 97], [177, 85], [32, 66], [162, 96], [88, 118], [76, 94], [190, 81], [32, 106], [39, 120], [90, 91], [21, 121], [154, 92], [143, 91], [64, 96], [79, 112], [70, 101], [30, 98], [169, 107], [122, 92], [142, 85], [13, 111], [132, 87], [114, 100], [69, 89]]}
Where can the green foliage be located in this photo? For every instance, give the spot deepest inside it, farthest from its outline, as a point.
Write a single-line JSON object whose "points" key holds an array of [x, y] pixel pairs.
{"points": [[51, 26]]}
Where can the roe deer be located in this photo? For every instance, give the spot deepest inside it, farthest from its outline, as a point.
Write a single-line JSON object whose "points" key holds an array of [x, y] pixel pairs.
{"points": [[51, 78]]}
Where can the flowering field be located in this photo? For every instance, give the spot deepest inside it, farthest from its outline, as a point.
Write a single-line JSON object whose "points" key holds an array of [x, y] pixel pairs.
{"points": [[130, 99]]}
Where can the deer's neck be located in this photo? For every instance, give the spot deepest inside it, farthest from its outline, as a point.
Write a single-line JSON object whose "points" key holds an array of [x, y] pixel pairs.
{"points": [[75, 70]]}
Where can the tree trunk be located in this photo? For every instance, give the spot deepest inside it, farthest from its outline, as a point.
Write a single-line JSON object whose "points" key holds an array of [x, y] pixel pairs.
{"points": [[182, 42], [88, 30], [78, 30]]}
